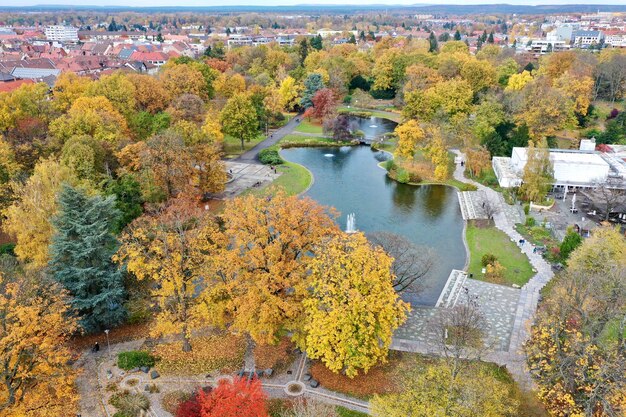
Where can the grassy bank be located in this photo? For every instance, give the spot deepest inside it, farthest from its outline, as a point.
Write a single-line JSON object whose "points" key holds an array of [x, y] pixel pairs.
{"points": [[309, 127], [232, 146], [484, 240], [370, 113], [294, 180]]}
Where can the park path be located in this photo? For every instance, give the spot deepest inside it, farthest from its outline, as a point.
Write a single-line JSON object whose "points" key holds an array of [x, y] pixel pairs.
{"points": [[251, 156], [514, 358]]}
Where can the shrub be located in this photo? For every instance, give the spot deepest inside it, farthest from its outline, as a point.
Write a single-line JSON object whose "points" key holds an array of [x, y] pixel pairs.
{"points": [[240, 398], [488, 259], [402, 176], [495, 272], [134, 359], [172, 400], [270, 157], [7, 249], [210, 353], [526, 209], [130, 404], [389, 165], [530, 221], [383, 94]]}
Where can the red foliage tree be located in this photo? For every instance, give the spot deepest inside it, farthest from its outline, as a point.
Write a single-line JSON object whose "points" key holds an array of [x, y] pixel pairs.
{"points": [[191, 407], [241, 398], [323, 103]]}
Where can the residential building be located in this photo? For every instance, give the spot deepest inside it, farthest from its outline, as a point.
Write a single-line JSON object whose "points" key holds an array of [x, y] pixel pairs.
{"points": [[62, 33], [588, 37]]}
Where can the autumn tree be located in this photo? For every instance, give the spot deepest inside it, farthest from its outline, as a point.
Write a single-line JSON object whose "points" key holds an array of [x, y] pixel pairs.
{"points": [[289, 92], [183, 79], [324, 104], [411, 262], [538, 174], [93, 116], [80, 257], [36, 324], [150, 93], [449, 97], [188, 107], [576, 347], [67, 89], [477, 160], [28, 101], [85, 157], [262, 272], [544, 109], [239, 118], [438, 154], [174, 250], [28, 218], [118, 89], [351, 301], [228, 86], [479, 74], [430, 390], [410, 137], [517, 82], [240, 398]]}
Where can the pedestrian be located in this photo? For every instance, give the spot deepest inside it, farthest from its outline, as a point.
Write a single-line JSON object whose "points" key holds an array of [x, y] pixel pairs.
{"points": [[96, 347]]}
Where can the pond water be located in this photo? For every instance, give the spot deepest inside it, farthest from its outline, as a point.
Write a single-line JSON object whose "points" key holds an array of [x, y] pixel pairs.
{"points": [[349, 179], [372, 127]]}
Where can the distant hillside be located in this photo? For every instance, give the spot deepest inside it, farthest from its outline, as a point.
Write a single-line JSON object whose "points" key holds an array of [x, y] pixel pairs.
{"points": [[341, 9]]}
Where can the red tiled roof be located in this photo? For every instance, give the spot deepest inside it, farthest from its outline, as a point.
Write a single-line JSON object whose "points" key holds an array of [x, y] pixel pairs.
{"points": [[9, 86]]}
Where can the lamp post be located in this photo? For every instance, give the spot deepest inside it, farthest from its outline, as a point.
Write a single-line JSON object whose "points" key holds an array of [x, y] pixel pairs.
{"points": [[106, 331]]}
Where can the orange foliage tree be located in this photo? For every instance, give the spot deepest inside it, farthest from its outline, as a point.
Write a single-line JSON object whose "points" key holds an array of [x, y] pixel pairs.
{"points": [[240, 398]]}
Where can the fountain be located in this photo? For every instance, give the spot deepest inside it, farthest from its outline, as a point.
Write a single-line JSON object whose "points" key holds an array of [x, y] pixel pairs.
{"points": [[328, 155], [350, 223]]}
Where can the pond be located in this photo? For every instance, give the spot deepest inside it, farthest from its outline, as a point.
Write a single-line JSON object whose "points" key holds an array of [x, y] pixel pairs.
{"points": [[349, 179], [372, 127]]}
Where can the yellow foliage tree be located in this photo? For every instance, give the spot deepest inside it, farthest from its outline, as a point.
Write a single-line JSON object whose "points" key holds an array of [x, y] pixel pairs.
{"points": [[478, 160], [517, 82], [174, 250], [410, 136], [438, 155], [229, 85], [263, 271], [35, 325], [150, 93], [479, 74], [431, 391], [579, 89], [28, 219], [351, 303], [183, 79], [212, 127], [289, 92], [93, 116], [118, 89], [30, 100], [67, 89]]}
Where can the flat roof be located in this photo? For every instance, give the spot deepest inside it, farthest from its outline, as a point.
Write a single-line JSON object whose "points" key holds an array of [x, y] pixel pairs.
{"points": [[567, 156]]}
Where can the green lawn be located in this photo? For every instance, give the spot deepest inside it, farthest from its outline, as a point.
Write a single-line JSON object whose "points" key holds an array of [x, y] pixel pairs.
{"points": [[232, 146], [309, 127], [294, 180], [491, 240], [346, 412], [296, 140], [396, 117]]}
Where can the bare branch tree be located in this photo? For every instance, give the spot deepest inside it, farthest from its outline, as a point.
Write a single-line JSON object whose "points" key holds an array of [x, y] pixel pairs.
{"points": [[459, 333], [490, 208], [607, 196], [411, 262]]}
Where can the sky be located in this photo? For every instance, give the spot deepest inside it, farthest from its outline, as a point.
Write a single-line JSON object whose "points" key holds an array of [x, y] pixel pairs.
{"points": [[140, 3]]}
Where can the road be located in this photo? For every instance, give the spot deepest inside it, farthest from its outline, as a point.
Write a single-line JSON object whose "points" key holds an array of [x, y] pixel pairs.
{"points": [[251, 156]]}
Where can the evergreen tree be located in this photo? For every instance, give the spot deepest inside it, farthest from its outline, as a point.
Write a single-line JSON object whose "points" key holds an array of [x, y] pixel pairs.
{"points": [[479, 43], [490, 38], [483, 37], [112, 26], [128, 199], [160, 38], [457, 35], [81, 252], [312, 85], [362, 35], [433, 42], [303, 50], [316, 42], [352, 39]]}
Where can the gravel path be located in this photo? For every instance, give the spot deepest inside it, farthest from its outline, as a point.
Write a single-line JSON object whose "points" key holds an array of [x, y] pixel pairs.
{"points": [[514, 358]]}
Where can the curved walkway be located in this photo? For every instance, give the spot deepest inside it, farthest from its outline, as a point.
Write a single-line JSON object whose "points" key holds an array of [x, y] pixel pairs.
{"points": [[251, 155], [514, 358]]}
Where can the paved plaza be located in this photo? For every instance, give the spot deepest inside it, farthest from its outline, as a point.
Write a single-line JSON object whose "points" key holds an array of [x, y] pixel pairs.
{"points": [[245, 176]]}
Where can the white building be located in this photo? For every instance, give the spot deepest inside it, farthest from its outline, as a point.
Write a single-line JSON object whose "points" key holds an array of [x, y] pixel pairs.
{"points": [[62, 33], [572, 168], [588, 37]]}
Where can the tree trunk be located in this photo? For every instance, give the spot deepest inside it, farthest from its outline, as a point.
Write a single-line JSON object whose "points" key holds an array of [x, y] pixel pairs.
{"points": [[242, 144], [186, 344]]}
